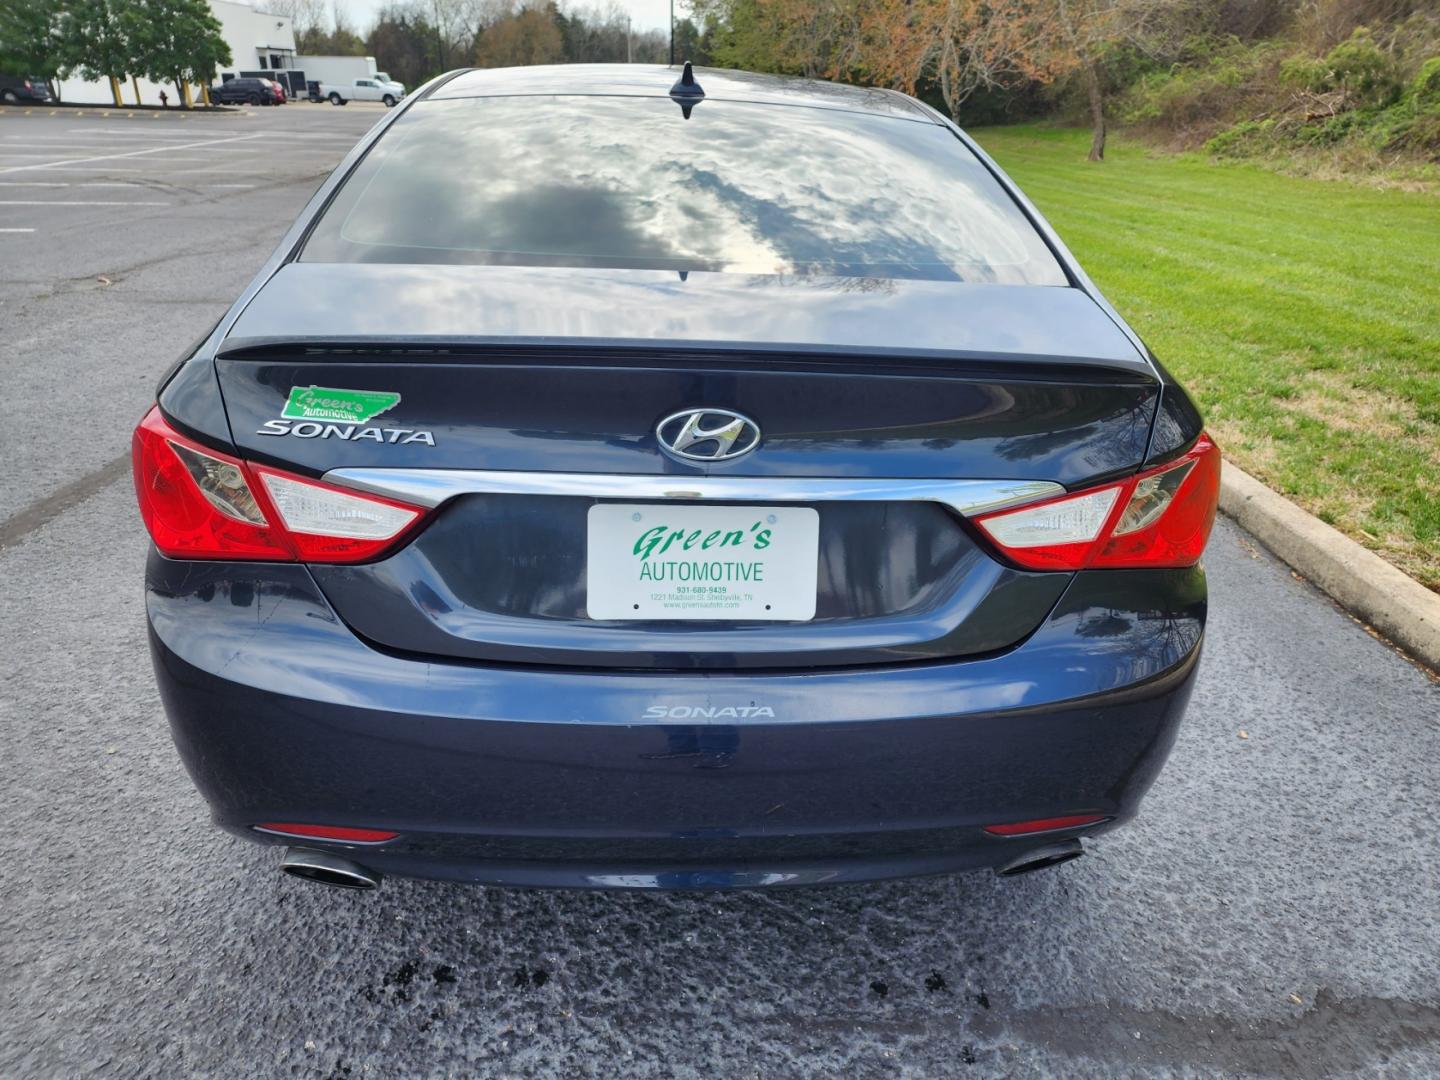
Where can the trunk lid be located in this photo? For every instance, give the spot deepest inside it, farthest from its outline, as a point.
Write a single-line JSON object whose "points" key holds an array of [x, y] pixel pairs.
{"points": [[449, 371]]}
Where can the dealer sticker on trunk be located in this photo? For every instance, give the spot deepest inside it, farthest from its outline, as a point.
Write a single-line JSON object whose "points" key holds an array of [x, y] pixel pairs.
{"points": [[730, 563], [332, 412], [332, 403]]}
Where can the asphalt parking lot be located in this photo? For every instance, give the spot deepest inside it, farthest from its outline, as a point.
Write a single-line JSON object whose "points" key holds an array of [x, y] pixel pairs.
{"points": [[1275, 911]]}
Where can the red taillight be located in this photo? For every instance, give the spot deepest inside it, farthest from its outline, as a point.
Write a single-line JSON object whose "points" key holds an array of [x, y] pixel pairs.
{"points": [[199, 503], [1038, 825], [1158, 518], [327, 832]]}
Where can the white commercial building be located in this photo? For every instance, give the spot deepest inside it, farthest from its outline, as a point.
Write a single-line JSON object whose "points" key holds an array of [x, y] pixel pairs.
{"points": [[260, 44]]}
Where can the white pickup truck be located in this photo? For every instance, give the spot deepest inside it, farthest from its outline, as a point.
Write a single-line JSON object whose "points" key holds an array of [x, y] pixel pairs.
{"points": [[371, 89]]}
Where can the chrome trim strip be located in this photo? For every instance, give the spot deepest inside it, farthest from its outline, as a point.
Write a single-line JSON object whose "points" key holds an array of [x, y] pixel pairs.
{"points": [[431, 487]]}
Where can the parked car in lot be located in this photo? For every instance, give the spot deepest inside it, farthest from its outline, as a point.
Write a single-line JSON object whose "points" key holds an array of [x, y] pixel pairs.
{"points": [[246, 91], [755, 493], [20, 89], [370, 89]]}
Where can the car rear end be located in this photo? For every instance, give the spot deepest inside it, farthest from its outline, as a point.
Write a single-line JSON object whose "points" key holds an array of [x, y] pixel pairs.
{"points": [[24, 88], [692, 516]]}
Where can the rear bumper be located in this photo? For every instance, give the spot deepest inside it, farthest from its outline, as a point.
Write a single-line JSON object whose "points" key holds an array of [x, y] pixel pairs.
{"points": [[532, 776]]}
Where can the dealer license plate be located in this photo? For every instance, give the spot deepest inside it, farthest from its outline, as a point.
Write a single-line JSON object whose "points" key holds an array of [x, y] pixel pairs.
{"points": [[734, 563]]}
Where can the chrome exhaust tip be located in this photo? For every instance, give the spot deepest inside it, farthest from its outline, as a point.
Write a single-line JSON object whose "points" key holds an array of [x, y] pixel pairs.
{"points": [[1039, 858], [327, 869]]}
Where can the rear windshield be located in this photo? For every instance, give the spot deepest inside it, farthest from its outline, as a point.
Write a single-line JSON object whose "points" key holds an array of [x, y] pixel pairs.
{"points": [[631, 183]]}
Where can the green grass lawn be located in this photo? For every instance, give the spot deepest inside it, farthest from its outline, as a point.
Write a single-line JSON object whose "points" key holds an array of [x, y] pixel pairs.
{"points": [[1304, 315]]}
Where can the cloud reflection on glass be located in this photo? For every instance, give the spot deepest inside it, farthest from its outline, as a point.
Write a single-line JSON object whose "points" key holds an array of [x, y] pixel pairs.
{"points": [[604, 182]]}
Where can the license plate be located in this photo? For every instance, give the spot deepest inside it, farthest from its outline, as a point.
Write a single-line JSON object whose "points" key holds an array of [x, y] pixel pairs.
{"points": [[734, 563]]}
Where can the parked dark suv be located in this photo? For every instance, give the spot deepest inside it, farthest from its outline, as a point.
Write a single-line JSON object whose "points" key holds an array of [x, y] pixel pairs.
{"points": [[17, 89], [249, 92]]}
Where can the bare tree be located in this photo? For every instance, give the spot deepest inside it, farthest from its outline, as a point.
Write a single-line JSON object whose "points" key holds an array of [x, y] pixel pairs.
{"points": [[1089, 27], [969, 45], [961, 45], [307, 17]]}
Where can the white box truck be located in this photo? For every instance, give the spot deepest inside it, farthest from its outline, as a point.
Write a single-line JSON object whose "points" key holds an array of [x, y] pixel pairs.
{"points": [[341, 71]]}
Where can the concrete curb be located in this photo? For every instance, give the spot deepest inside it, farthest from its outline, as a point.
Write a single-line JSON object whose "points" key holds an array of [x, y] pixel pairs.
{"points": [[1396, 605]]}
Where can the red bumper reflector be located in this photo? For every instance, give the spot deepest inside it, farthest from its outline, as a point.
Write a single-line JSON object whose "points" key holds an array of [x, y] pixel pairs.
{"points": [[1049, 824], [328, 832]]}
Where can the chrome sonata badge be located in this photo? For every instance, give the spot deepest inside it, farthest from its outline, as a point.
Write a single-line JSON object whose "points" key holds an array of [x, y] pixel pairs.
{"points": [[709, 712], [707, 434], [313, 429]]}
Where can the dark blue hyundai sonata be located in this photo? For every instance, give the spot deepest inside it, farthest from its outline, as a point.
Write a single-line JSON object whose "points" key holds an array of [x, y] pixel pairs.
{"points": [[619, 479]]}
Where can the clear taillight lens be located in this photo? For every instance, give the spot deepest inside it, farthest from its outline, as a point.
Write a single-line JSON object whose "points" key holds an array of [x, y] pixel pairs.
{"points": [[1159, 518], [1065, 521], [327, 524], [199, 503]]}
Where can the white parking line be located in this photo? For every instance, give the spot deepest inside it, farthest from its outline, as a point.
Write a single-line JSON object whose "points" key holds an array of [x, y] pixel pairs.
{"points": [[289, 135], [17, 230], [148, 135], [85, 148], [80, 183], [5, 151], [187, 171], [95, 169], [133, 153], [189, 159], [75, 202], [14, 148]]}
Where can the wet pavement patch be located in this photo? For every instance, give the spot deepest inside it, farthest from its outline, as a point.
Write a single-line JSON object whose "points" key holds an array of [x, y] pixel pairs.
{"points": [[400, 979], [525, 978]]}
